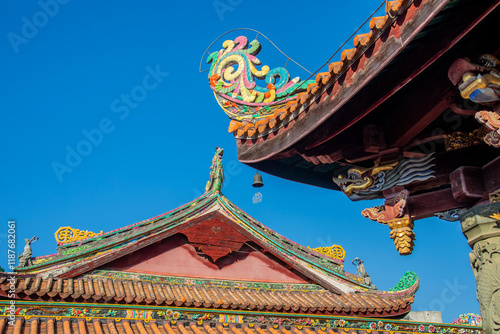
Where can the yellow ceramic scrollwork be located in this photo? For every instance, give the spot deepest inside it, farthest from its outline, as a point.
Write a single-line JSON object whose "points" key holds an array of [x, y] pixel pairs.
{"points": [[68, 234], [335, 251]]}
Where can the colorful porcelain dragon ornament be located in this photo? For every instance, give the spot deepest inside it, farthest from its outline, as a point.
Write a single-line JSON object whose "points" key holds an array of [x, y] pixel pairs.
{"points": [[233, 78]]}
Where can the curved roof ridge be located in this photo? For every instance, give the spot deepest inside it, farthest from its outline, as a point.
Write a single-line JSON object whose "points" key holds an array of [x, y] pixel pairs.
{"points": [[324, 80]]}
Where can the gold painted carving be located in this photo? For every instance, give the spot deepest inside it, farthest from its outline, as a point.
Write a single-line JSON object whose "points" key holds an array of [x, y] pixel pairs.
{"points": [[402, 234], [479, 83], [459, 139], [359, 178], [335, 251], [68, 234], [495, 196]]}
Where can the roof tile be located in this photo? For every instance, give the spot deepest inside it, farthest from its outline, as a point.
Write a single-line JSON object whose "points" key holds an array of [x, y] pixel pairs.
{"points": [[272, 122], [336, 67], [378, 22], [395, 6], [348, 55], [362, 39]]}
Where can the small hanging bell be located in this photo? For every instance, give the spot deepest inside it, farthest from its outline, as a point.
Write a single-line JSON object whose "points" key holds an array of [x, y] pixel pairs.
{"points": [[257, 180]]}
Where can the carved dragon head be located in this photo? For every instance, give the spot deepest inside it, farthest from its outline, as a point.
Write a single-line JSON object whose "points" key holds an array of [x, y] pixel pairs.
{"points": [[359, 178], [480, 82], [477, 80]]}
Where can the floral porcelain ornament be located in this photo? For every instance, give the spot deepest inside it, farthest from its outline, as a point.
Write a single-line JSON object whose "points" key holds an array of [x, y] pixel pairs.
{"points": [[233, 77]]}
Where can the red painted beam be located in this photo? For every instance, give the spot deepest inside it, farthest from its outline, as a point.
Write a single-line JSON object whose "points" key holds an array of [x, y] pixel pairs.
{"points": [[491, 176], [425, 205], [467, 184]]}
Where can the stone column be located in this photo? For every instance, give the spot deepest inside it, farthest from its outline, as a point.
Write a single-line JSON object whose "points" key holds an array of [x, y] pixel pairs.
{"points": [[481, 226]]}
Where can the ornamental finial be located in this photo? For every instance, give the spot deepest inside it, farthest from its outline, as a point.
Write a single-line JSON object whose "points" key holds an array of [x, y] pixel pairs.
{"points": [[242, 90], [361, 271], [25, 256], [216, 172]]}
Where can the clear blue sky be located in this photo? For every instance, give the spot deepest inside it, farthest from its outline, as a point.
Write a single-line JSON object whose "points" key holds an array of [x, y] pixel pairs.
{"points": [[68, 73]]}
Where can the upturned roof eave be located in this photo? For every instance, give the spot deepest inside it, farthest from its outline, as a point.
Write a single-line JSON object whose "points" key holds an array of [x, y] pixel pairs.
{"points": [[307, 122]]}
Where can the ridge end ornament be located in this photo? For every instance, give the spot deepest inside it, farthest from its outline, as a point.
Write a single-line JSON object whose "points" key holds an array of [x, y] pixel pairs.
{"points": [[234, 78], [25, 256], [407, 281], [216, 180], [361, 271]]}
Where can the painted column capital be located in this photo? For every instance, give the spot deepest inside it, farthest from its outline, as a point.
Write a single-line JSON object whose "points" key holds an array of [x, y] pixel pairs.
{"points": [[481, 222]]}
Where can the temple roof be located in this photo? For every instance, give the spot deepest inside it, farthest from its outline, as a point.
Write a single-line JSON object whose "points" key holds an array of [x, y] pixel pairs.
{"points": [[82, 321], [367, 107], [79, 270], [207, 253]]}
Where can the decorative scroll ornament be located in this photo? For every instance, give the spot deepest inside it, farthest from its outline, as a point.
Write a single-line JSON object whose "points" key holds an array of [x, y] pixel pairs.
{"points": [[394, 213], [469, 319], [452, 215], [232, 77], [407, 281], [491, 120], [367, 183], [480, 82], [392, 209], [335, 251], [216, 172], [68, 234]]}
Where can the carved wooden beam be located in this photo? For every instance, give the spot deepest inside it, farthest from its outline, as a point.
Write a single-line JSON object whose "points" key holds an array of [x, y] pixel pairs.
{"points": [[491, 176], [467, 184]]}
